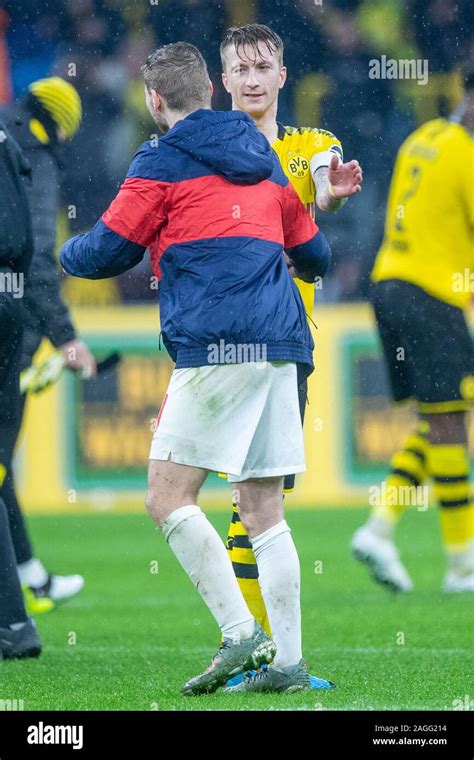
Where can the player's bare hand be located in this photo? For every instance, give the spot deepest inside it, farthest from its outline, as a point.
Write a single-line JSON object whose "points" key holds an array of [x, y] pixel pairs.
{"points": [[78, 358], [345, 179]]}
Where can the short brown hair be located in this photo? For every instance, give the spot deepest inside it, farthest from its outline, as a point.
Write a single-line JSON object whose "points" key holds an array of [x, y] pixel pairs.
{"points": [[178, 73], [252, 34]]}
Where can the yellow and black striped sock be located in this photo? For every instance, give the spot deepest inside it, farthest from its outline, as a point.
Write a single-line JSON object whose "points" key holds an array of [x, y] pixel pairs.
{"points": [[245, 568], [408, 469], [449, 467]]}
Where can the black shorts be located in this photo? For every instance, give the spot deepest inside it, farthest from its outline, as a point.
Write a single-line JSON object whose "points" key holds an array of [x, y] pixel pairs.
{"points": [[302, 379], [427, 346]]}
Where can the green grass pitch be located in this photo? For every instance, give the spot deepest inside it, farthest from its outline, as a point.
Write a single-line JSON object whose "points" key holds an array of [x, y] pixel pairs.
{"points": [[132, 637]]}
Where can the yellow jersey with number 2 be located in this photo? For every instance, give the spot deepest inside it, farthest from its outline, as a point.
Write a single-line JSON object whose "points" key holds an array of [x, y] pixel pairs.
{"points": [[302, 150], [429, 226]]}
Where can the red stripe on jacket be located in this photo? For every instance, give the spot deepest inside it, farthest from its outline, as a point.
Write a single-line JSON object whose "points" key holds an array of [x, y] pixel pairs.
{"points": [[208, 207]]}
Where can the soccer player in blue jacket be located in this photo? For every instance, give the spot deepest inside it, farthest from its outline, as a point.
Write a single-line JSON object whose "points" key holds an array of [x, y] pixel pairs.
{"points": [[216, 211]]}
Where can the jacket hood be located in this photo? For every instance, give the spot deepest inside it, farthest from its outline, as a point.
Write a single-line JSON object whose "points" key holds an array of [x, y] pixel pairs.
{"points": [[226, 141]]}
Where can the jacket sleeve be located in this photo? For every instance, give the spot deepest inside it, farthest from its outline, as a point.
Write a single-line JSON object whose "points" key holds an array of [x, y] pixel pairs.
{"points": [[311, 258], [120, 238], [48, 315], [305, 244]]}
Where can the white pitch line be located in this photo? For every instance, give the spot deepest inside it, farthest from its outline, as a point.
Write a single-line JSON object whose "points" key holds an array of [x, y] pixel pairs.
{"points": [[390, 650], [78, 648], [208, 650]]}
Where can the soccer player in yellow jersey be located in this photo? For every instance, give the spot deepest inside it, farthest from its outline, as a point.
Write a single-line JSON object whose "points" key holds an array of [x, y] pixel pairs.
{"points": [[253, 73], [423, 277]]}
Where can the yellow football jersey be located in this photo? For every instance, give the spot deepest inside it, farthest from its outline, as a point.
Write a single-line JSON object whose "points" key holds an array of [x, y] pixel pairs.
{"points": [[429, 225], [301, 150]]}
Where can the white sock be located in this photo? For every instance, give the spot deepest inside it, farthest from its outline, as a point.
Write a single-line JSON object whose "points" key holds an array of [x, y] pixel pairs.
{"points": [[279, 577], [32, 573], [200, 551], [381, 527], [462, 563]]}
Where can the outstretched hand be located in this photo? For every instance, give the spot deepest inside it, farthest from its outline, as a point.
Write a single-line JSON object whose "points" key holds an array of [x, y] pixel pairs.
{"points": [[345, 179]]}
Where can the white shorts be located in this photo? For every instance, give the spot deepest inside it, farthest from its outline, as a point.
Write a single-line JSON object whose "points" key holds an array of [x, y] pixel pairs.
{"points": [[239, 419]]}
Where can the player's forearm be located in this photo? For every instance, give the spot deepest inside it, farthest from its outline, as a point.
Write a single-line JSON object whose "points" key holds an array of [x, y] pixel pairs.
{"points": [[325, 199]]}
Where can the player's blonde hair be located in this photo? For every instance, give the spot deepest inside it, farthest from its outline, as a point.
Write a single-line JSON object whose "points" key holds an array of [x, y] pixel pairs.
{"points": [[252, 35]]}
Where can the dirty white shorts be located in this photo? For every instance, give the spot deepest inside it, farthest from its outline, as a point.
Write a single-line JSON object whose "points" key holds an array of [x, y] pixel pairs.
{"points": [[239, 419]]}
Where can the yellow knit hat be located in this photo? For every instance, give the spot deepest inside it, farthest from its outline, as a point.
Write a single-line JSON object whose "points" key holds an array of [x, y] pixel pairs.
{"points": [[62, 101]]}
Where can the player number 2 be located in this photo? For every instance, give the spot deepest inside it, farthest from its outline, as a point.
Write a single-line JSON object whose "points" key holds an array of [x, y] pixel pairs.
{"points": [[414, 183]]}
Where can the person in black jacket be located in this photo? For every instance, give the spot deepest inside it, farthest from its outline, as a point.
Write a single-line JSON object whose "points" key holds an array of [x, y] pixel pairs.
{"points": [[49, 114], [18, 637]]}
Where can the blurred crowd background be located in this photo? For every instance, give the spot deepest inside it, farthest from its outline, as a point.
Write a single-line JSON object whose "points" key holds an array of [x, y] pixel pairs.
{"points": [[99, 46]]}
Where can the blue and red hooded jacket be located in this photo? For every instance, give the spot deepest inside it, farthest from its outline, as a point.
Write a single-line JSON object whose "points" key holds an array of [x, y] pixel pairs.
{"points": [[211, 202]]}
